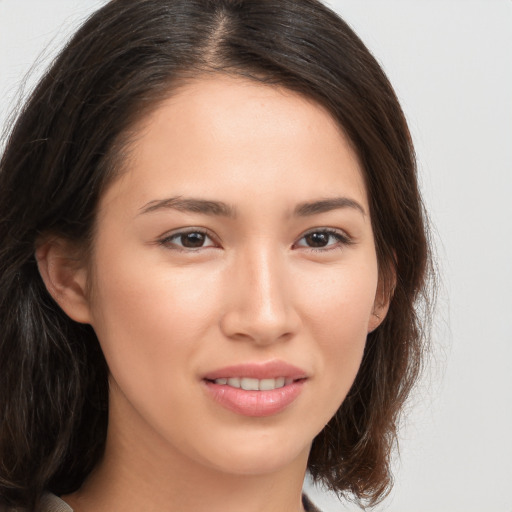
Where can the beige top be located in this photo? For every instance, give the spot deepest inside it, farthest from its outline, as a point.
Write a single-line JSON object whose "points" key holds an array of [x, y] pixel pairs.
{"points": [[51, 503]]}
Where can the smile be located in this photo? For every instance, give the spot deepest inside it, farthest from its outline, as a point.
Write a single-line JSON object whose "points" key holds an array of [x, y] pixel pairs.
{"points": [[251, 384], [256, 389]]}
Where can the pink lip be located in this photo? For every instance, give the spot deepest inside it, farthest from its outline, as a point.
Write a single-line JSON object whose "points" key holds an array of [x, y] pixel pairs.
{"points": [[256, 403], [268, 370]]}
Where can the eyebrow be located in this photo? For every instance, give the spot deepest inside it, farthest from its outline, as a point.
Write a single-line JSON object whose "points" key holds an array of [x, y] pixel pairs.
{"points": [[219, 208], [190, 204], [326, 205]]}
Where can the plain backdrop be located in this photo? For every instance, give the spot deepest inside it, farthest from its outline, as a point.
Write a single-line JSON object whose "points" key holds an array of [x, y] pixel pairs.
{"points": [[451, 64]]}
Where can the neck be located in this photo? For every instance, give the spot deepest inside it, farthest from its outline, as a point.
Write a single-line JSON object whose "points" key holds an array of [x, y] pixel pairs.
{"points": [[143, 473]]}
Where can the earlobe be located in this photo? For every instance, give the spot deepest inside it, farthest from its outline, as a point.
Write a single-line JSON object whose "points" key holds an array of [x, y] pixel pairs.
{"points": [[377, 317], [382, 302], [65, 277]]}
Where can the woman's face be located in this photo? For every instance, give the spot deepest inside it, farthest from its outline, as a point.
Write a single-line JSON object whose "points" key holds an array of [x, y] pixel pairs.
{"points": [[236, 245]]}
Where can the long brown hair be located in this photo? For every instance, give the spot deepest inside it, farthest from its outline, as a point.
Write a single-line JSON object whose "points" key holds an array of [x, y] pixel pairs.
{"points": [[67, 145]]}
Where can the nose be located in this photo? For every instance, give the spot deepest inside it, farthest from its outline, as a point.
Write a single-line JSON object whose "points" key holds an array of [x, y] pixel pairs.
{"points": [[260, 305]]}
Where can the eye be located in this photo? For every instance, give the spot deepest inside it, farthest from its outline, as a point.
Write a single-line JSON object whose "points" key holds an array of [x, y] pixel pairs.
{"points": [[323, 239], [188, 240]]}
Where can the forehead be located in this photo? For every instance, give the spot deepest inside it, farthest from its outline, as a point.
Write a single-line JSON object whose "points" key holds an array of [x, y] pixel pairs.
{"points": [[222, 135]]}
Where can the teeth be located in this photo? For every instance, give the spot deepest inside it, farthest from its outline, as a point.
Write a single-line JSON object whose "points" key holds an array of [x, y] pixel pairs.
{"points": [[250, 384], [234, 382], [268, 384]]}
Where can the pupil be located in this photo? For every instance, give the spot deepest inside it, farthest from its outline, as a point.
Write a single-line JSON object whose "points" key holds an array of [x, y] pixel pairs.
{"points": [[317, 239], [193, 240]]}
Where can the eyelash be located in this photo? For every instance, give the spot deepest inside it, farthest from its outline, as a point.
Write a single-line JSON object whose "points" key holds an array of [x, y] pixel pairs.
{"points": [[342, 240], [167, 241]]}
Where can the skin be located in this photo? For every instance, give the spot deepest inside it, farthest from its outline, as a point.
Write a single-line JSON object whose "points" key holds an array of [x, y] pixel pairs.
{"points": [[255, 291]]}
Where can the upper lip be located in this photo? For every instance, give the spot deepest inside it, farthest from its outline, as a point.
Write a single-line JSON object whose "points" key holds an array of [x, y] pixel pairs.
{"points": [[266, 370]]}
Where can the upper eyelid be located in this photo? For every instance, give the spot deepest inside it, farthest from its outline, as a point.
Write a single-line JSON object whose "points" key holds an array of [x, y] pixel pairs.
{"points": [[325, 229], [183, 231], [193, 229], [333, 231]]}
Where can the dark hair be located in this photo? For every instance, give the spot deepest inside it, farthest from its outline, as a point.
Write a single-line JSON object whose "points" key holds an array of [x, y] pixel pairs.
{"points": [[67, 145]]}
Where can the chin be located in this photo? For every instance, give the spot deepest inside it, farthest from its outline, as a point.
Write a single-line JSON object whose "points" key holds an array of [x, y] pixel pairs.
{"points": [[252, 458]]}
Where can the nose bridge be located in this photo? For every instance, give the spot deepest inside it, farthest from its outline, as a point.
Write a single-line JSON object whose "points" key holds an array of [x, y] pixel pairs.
{"points": [[262, 308], [268, 280]]}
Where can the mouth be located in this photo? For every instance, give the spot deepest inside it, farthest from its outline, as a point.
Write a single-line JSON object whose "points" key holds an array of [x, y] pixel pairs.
{"points": [[251, 384], [256, 390]]}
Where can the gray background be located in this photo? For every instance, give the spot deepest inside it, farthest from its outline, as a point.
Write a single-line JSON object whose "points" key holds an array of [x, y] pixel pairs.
{"points": [[451, 64]]}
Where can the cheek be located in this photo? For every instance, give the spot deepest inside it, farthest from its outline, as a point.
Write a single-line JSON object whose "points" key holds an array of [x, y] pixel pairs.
{"points": [[147, 318], [338, 312], [341, 301]]}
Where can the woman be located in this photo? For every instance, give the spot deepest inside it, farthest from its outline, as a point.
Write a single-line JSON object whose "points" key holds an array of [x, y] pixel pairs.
{"points": [[213, 245]]}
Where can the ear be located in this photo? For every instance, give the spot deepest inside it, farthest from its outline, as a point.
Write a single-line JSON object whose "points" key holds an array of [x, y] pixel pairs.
{"points": [[383, 296], [65, 276]]}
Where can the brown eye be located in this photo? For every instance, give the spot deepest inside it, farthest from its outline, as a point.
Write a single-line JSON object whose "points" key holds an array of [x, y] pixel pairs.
{"points": [[323, 239], [191, 240], [317, 239]]}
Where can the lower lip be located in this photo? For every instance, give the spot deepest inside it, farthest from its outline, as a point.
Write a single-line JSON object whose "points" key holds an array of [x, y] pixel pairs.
{"points": [[254, 403]]}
